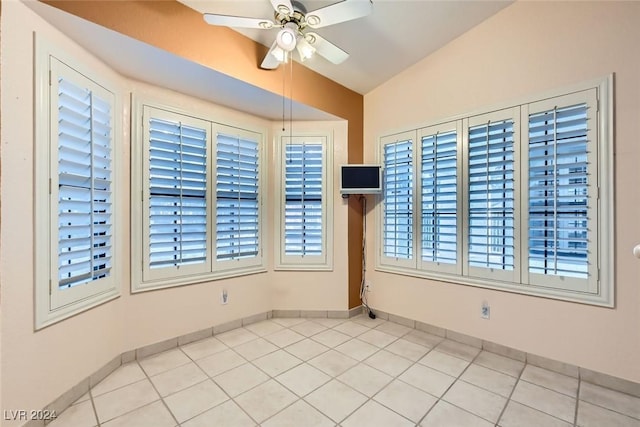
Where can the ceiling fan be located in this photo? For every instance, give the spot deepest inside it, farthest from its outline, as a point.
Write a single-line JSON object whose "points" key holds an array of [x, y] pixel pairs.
{"points": [[295, 25]]}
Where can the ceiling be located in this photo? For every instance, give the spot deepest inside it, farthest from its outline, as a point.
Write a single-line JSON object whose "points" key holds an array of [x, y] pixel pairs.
{"points": [[396, 35]]}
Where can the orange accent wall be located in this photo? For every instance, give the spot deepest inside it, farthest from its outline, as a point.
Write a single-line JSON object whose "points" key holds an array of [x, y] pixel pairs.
{"points": [[176, 28]]}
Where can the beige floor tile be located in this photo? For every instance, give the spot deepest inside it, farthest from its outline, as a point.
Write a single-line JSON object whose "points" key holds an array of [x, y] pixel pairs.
{"points": [[265, 400], [203, 348], [227, 414], [331, 338], [220, 362], [256, 348], [518, 415], [125, 399], [406, 400], [288, 322], [277, 362], [82, 398], [489, 379], [476, 400], [423, 338], [365, 379], [124, 375], [365, 320], [284, 337], [610, 399], [308, 328], [352, 329], [78, 415], [388, 363], [459, 350], [336, 400], [443, 362], [154, 414], [447, 415], [330, 323], [551, 380], [195, 400], [306, 349], [427, 379], [394, 329], [235, 337], [240, 379], [357, 349], [595, 416], [377, 338], [407, 349], [332, 363], [164, 361], [545, 400], [303, 379], [178, 379], [372, 414], [500, 363], [299, 414], [265, 327]]}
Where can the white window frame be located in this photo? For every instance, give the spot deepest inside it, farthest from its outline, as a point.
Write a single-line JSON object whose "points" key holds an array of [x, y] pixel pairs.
{"points": [[212, 269], [455, 126], [601, 288], [53, 304], [382, 259], [283, 261]]}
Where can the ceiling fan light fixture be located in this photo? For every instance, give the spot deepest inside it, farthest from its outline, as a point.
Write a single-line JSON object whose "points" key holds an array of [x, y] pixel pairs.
{"points": [[286, 39], [279, 54], [313, 20], [305, 50]]}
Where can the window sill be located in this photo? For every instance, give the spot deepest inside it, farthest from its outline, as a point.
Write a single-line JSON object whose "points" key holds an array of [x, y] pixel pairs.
{"points": [[137, 287], [606, 301]]}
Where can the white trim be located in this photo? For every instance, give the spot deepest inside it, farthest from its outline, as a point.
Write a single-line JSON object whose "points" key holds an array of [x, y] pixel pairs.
{"points": [[323, 262], [603, 293], [212, 269], [51, 303]]}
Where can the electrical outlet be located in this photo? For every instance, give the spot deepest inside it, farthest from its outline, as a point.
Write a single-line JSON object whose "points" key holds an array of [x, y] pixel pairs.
{"points": [[485, 311], [368, 286], [224, 297]]}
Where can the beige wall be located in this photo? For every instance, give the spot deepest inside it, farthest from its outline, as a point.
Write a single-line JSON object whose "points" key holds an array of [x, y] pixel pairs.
{"points": [[526, 49], [37, 367]]}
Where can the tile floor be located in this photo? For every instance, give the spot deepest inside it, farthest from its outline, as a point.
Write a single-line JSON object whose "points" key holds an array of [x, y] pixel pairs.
{"points": [[328, 372]]}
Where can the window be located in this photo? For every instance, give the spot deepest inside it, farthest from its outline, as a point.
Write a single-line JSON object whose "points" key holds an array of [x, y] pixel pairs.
{"points": [[237, 196], [397, 222], [440, 197], [304, 223], [516, 199], [492, 199], [176, 195], [200, 200], [563, 192], [75, 214]]}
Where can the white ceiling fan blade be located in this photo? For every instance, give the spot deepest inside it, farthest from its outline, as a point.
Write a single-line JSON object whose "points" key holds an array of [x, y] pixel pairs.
{"points": [[282, 6], [270, 62], [238, 21], [339, 12], [326, 49]]}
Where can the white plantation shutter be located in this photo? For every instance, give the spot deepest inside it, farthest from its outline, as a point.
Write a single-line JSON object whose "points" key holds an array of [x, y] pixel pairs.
{"points": [[397, 215], [237, 197], [177, 194], [562, 192], [439, 197], [303, 207], [84, 185], [492, 203]]}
